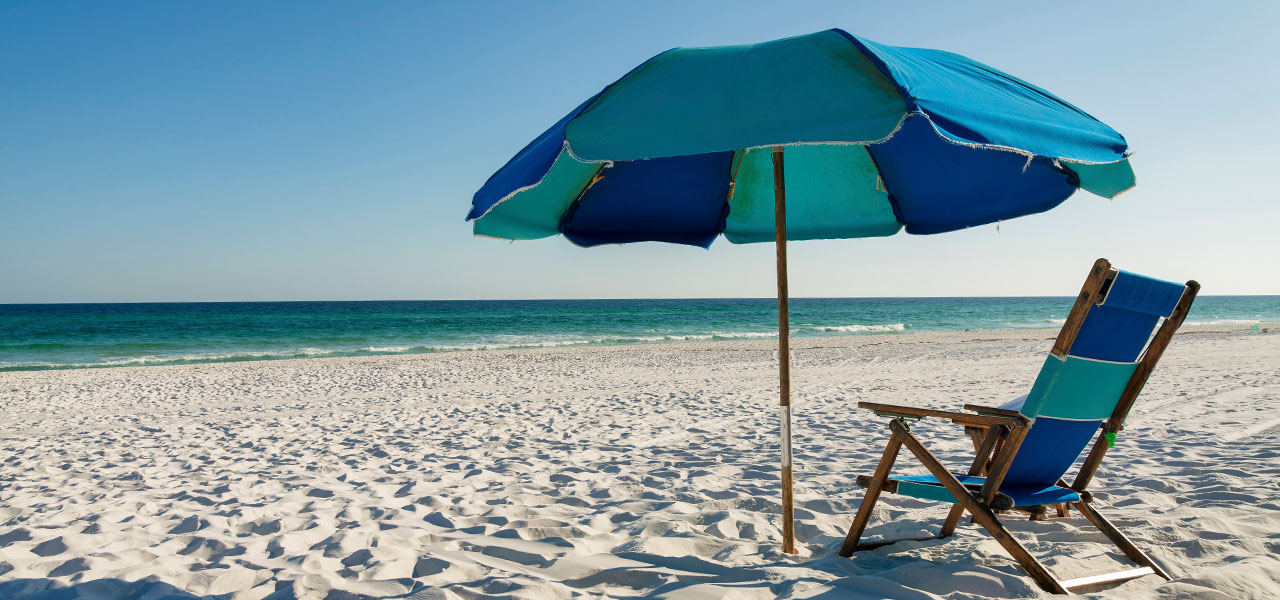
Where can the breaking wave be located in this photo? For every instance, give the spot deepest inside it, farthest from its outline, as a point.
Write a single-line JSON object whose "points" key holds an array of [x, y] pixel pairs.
{"points": [[889, 328], [518, 344], [1226, 322]]}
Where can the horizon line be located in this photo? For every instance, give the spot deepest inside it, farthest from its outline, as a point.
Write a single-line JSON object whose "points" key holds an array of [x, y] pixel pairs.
{"points": [[78, 302]]}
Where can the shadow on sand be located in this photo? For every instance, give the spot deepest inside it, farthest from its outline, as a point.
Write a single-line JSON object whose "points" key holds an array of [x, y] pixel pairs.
{"points": [[151, 589], [50, 589]]}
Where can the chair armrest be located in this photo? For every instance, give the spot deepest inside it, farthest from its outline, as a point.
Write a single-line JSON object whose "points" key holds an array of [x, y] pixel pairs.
{"points": [[955, 417], [991, 410]]}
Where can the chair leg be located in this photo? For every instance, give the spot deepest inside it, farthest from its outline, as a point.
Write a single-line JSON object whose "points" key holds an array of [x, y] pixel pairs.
{"points": [[983, 448], [1063, 511], [1041, 575], [986, 469], [981, 513], [953, 521], [1119, 539], [873, 493], [975, 434]]}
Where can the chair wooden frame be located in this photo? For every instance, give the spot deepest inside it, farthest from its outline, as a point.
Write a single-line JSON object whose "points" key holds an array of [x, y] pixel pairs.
{"points": [[997, 435]]}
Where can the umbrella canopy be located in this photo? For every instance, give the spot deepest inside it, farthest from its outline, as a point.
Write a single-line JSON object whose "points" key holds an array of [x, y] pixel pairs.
{"points": [[691, 144], [880, 137]]}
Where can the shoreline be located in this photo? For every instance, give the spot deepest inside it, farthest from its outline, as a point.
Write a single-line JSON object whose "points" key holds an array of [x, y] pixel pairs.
{"points": [[796, 342]]}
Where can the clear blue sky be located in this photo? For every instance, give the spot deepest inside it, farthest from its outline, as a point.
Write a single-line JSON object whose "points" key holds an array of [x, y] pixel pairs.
{"points": [[273, 151]]}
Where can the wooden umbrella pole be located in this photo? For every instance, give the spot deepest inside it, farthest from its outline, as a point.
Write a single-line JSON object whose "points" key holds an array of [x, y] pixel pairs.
{"points": [[784, 351]]}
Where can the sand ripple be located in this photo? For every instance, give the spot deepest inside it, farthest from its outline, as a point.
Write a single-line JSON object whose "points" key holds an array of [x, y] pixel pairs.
{"points": [[601, 472]]}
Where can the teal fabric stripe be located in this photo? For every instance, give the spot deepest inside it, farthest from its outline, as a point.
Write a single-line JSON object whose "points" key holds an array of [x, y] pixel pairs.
{"points": [[1107, 180], [833, 192], [928, 488], [1077, 388], [810, 88], [535, 212], [926, 491]]}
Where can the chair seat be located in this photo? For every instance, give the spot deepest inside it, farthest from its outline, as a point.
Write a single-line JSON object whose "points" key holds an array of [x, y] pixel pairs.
{"points": [[928, 487]]}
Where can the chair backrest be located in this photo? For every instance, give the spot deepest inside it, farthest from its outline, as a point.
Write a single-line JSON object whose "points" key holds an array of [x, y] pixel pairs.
{"points": [[1079, 388]]}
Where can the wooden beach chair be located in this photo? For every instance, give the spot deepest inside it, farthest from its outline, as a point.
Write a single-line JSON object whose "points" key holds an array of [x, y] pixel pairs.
{"points": [[1093, 374]]}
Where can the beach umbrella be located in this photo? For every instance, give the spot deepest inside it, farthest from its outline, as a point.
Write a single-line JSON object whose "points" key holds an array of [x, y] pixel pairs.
{"points": [[819, 136]]}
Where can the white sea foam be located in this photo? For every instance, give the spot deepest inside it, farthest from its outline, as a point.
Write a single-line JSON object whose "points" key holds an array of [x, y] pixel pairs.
{"points": [[177, 359], [502, 343], [891, 327], [509, 342], [522, 342], [743, 334], [1225, 322]]}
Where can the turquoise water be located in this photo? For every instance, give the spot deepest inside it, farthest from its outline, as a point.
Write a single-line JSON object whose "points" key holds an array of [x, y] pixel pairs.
{"points": [[53, 336]]}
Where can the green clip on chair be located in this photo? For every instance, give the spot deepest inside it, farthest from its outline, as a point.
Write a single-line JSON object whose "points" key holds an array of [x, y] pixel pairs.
{"points": [[1089, 381]]}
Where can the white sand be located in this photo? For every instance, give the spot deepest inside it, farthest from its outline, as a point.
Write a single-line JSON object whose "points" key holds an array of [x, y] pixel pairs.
{"points": [[642, 470]]}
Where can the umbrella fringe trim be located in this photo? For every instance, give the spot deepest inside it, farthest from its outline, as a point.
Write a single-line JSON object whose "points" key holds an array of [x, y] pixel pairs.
{"points": [[1027, 153], [896, 128], [568, 149], [1030, 156], [607, 164], [1058, 163]]}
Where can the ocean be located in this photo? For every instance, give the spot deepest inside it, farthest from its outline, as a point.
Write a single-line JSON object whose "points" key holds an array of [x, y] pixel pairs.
{"points": [[60, 336]]}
